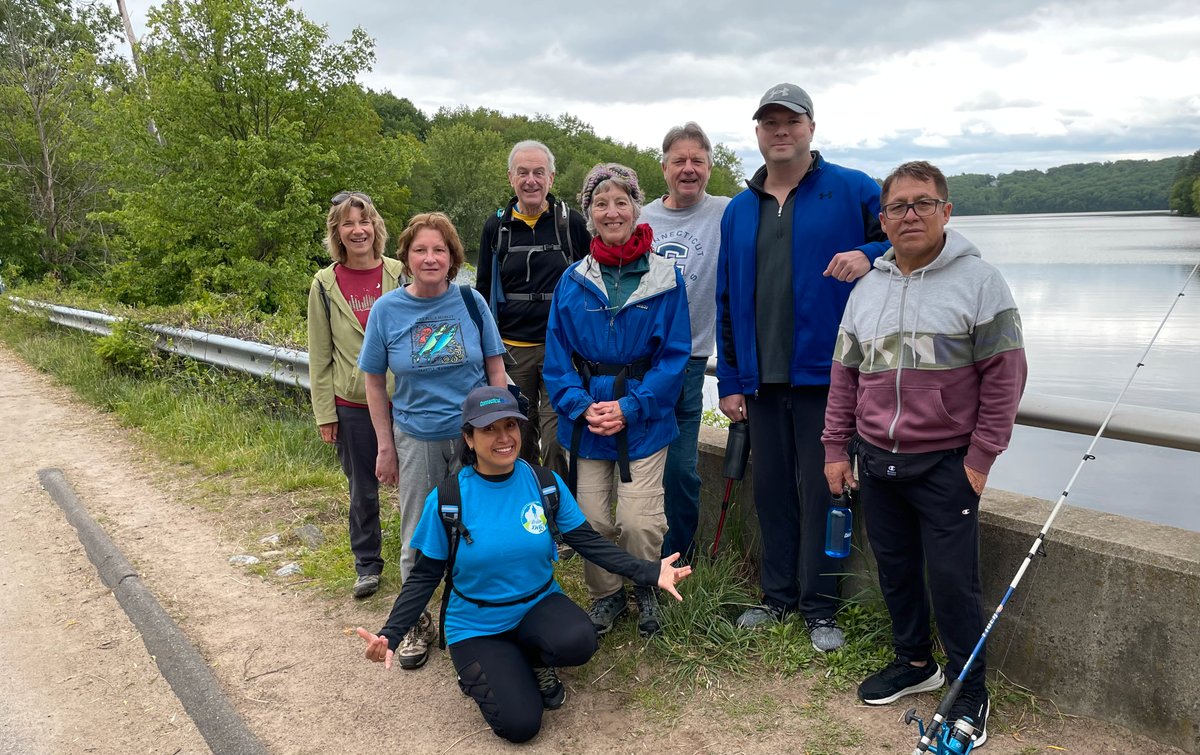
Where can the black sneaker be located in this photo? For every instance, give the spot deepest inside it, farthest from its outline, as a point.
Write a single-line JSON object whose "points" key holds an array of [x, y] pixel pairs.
{"points": [[972, 705], [604, 612], [899, 679], [554, 692], [649, 619]]}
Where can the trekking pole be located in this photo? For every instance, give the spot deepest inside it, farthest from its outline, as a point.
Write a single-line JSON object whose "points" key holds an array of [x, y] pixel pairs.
{"points": [[930, 736], [737, 454]]}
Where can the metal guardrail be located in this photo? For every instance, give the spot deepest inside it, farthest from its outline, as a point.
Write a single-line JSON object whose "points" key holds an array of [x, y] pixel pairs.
{"points": [[283, 365], [1156, 427]]}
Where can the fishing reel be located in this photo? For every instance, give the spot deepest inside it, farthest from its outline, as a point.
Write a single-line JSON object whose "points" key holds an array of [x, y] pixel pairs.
{"points": [[958, 739]]}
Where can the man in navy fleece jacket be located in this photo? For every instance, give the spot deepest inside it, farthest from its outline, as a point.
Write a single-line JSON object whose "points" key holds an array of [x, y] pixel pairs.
{"points": [[791, 244]]}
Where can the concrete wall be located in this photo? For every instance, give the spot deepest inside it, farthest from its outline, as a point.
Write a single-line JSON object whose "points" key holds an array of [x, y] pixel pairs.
{"points": [[1106, 625]]}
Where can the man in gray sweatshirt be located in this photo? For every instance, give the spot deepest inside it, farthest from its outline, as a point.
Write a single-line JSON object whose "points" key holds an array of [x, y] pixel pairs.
{"points": [[687, 229]]}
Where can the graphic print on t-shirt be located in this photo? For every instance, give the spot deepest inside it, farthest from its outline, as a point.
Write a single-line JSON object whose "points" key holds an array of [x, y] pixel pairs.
{"points": [[437, 342], [683, 248], [533, 519]]}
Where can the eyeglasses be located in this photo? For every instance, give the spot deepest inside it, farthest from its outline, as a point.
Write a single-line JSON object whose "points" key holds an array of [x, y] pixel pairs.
{"points": [[342, 196], [923, 207]]}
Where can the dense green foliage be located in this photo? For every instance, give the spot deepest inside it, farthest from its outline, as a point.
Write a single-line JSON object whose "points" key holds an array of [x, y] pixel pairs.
{"points": [[1185, 192], [1078, 187], [56, 65], [203, 175]]}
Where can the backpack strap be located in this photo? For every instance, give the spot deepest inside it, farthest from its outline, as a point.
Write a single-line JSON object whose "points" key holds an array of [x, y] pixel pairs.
{"points": [[472, 309], [562, 228], [549, 488], [450, 511]]}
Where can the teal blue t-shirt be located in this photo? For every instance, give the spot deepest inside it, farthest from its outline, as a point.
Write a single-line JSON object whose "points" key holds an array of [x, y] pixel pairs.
{"points": [[436, 353], [512, 553]]}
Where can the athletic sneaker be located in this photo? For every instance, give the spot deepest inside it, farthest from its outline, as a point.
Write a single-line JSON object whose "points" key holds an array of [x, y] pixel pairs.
{"points": [[899, 679], [757, 616], [973, 704], [604, 612], [366, 585], [649, 619], [826, 635], [554, 692], [414, 648]]}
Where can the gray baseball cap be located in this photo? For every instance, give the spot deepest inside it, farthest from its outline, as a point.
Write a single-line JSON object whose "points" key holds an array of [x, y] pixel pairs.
{"points": [[789, 96], [486, 404]]}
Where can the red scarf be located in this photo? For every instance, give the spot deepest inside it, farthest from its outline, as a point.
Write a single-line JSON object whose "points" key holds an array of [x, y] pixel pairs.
{"points": [[637, 245]]}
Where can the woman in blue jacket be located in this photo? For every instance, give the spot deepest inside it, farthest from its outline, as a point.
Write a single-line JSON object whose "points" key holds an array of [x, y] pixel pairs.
{"points": [[617, 343]]}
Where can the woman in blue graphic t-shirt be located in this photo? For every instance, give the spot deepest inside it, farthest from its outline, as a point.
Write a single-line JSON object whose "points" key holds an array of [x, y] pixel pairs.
{"points": [[425, 335], [508, 624]]}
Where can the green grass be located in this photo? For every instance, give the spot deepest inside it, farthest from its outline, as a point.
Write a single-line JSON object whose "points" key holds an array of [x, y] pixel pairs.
{"points": [[252, 433]]}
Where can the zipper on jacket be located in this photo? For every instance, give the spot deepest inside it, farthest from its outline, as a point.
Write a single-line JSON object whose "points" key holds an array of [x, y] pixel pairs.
{"points": [[900, 366]]}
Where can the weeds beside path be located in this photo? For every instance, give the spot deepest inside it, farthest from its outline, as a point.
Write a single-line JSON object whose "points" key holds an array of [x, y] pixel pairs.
{"points": [[207, 465]]}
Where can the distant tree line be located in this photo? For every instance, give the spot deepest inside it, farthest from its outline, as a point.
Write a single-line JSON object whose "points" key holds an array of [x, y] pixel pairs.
{"points": [[1185, 192], [1079, 187]]}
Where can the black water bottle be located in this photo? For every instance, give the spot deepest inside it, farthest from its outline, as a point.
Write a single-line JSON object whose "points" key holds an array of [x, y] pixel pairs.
{"points": [[839, 524], [737, 451]]}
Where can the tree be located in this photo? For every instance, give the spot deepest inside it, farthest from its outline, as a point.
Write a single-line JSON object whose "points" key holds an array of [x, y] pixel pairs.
{"points": [[56, 60], [466, 176], [261, 122], [399, 114], [1185, 191]]}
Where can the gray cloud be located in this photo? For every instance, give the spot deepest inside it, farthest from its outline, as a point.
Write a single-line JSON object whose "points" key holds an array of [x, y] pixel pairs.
{"points": [[993, 101]]}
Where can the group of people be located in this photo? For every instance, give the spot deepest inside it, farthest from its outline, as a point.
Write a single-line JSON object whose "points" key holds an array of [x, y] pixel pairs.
{"points": [[867, 346]]}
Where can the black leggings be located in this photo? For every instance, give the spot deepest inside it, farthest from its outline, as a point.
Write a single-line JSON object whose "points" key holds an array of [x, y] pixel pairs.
{"points": [[496, 670]]}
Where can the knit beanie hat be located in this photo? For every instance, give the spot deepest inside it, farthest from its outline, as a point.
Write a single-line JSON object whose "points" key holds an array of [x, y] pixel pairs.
{"points": [[602, 172]]}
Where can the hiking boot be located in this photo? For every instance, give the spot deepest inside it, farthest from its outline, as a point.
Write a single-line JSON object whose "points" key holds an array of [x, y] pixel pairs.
{"points": [[554, 692], [414, 648], [604, 612], [366, 585], [826, 635], [972, 705], [899, 679], [649, 618], [758, 616]]}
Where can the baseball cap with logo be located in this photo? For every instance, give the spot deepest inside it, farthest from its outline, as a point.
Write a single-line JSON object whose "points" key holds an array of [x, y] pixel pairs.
{"points": [[789, 96], [486, 404]]}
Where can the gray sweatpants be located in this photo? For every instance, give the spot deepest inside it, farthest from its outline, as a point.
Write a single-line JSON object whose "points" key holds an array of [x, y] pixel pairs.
{"points": [[423, 464]]}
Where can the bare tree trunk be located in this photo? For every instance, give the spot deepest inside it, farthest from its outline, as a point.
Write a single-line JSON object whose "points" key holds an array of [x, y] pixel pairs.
{"points": [[137, 66]]}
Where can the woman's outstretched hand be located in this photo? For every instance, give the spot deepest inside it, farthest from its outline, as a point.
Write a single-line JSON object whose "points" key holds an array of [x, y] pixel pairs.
{"points": [[377, 648], [669, 576]]}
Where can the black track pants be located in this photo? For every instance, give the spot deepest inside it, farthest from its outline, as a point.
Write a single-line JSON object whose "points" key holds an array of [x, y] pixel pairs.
{"points": [[929, 525], [356, 447], [496, 670], [792, 498]]}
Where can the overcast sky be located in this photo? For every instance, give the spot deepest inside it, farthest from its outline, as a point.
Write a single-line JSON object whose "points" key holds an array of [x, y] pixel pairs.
{"points": [[972, 86]]}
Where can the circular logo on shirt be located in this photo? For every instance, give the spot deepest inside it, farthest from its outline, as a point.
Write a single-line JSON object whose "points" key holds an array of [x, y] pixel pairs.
{"points": [[533, 519]]}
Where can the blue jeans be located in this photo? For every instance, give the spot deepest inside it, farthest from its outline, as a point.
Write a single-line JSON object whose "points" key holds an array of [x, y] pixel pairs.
{"points": [[681, 481]]}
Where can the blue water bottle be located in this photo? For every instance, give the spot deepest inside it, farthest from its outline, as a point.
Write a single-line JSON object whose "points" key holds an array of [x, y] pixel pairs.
{"points": [[839, 525]]}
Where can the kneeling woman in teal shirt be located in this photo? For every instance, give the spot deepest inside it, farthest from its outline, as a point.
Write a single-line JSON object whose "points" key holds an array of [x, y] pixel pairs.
{"points": [[506, 651]]}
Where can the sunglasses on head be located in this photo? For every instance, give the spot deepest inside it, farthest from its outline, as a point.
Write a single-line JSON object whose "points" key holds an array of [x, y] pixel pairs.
{"points": [[342, 196]]}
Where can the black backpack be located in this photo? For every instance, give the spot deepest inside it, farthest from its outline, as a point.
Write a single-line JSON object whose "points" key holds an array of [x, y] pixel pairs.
{"points": [[450, 510], [563, 243]]}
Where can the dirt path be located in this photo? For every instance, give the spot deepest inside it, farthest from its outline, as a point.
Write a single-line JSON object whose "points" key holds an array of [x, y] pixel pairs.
{"points": [[75, 677]]}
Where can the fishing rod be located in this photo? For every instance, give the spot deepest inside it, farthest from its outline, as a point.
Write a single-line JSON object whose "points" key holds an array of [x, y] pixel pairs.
{"points": [[960, 738]]}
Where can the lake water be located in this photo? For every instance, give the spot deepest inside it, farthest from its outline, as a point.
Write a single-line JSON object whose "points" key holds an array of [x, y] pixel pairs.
{"points": [[1092, 289]]}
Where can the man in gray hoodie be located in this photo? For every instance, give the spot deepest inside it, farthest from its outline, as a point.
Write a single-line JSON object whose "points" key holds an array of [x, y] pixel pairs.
{"points": [[928, 371]]}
